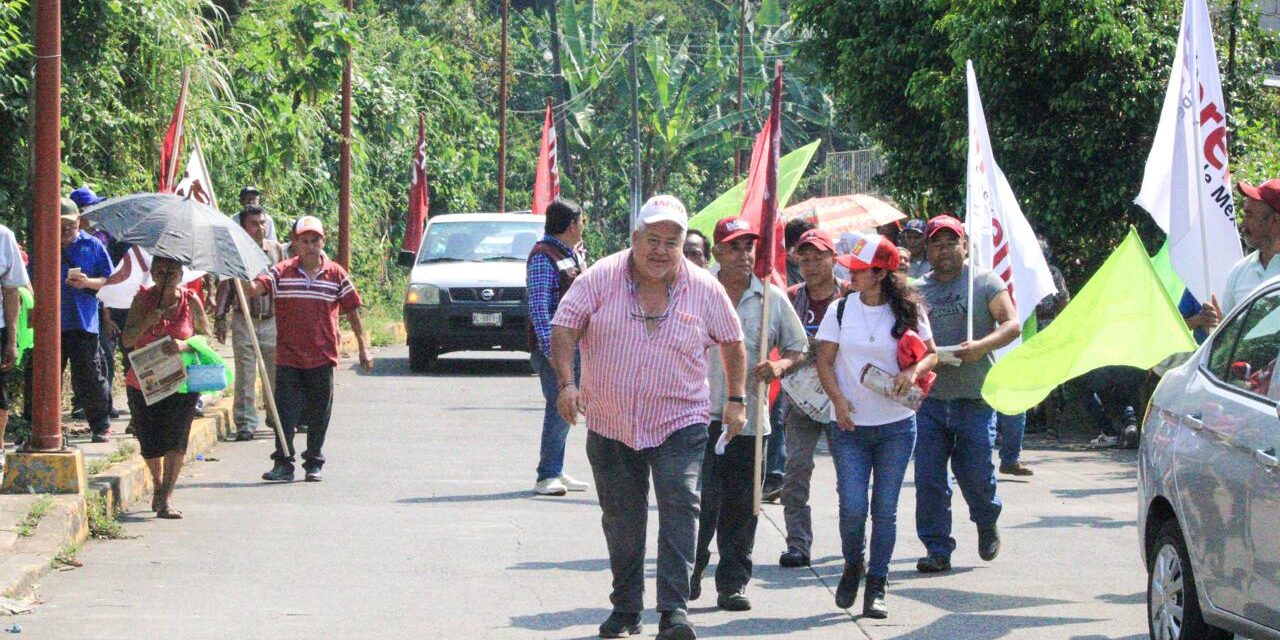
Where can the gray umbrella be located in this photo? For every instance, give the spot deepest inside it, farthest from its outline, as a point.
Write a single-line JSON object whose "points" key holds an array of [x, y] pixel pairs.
{"points": [[170, 226]]}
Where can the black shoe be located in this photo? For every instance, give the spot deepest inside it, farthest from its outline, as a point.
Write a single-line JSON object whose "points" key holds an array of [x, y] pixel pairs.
{"points": [[101, 437], [313, 476], [77, 414], [873, 601], [244, 436], [847, 590], [621, 625], [989, 543], [674, 625], [772, 489], [1131, 436], [793, 558], [279, 473], [114, 413], [695, 583], [933, 564], [302, 428], [733, 602]]}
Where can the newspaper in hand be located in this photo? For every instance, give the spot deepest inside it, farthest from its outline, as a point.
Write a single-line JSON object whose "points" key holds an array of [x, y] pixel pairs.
{"points": [[159, 374], [881, 383], [805, 390]]}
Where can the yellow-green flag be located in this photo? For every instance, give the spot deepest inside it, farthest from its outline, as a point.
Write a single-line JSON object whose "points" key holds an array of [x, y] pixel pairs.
{"points": [[1122, 316], [790, 168]]}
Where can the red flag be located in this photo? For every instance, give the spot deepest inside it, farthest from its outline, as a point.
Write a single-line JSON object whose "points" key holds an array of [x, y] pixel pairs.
{"points": [[171, 150], [761, 205], [419, 200], [546, 181]]}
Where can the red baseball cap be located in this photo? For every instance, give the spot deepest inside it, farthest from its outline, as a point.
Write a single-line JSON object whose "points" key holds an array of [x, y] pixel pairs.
{"points": [[817, 238], [871, 251], [1268, 192], [944, 221], [732, 228]]}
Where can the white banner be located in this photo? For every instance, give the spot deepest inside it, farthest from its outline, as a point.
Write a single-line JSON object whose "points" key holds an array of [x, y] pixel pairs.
{"points": [[1001, 239], [1186, 186]]}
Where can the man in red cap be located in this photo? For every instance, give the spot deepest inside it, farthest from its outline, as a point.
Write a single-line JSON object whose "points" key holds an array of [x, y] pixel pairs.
{"points": [[1260, 227], [807, 418], [728, 471], [955, 425]]}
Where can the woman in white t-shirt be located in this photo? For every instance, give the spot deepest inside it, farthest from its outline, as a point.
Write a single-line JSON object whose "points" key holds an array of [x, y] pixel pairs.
{"points": [[872, 435]]}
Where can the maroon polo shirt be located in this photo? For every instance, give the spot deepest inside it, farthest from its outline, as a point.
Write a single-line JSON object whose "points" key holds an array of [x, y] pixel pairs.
{"points": [[307, 311]]}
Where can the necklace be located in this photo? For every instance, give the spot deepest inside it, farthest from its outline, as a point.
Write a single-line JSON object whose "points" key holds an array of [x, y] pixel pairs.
{"points": [[871, 328]]}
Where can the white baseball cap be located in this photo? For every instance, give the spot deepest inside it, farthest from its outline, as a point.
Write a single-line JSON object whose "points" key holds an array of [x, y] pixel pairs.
{"points": [[663, 209]]}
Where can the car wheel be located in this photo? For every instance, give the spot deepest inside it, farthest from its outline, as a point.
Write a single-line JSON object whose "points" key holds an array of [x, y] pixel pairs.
{"points": [[421, 356], [1173, 606]]}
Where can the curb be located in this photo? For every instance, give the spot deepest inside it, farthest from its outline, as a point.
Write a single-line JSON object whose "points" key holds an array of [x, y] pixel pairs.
{"points": [[125, 483]]}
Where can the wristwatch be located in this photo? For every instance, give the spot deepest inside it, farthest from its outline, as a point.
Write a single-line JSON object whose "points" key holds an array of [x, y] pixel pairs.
{"points": [[738, 399]]}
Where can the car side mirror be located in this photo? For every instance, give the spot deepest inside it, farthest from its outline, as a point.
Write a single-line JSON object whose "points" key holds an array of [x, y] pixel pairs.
{"points": [[406, 258]]}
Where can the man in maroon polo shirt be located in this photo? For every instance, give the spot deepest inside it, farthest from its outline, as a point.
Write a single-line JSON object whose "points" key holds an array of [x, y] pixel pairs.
{"points": [[309, 291]]}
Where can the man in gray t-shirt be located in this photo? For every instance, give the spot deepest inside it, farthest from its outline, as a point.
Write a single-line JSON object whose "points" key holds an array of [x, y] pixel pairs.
{"points": [[954, 424]]}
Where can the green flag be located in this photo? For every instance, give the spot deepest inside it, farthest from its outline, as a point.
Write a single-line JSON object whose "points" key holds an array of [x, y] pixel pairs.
{"points": [[790, 168], [1122, 316], [1168, 277]]}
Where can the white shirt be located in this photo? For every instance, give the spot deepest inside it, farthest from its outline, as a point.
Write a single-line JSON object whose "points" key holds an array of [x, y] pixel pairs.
{"points": [[865, 336], [12, 272], [1245, 276], [271, 225]]}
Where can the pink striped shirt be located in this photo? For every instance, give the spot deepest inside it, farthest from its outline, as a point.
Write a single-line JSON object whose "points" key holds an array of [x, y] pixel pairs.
{"points": [[641, 387]]}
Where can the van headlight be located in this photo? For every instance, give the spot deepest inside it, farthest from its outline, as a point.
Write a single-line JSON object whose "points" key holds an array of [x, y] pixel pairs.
{"points": [[422, 294]]}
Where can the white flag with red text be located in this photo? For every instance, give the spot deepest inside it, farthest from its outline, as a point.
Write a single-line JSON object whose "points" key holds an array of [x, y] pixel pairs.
{"points": [[1001, 238], [195, 182], [1186, 185]]}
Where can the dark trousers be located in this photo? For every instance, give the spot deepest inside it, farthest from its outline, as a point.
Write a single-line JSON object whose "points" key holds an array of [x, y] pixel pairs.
{"points": [[727, 497], [1112, 391], [304, 396], [109, 346], [80, 349]]}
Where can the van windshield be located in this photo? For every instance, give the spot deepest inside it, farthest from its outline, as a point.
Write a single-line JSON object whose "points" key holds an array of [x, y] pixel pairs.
{"points": [[477, 241]]}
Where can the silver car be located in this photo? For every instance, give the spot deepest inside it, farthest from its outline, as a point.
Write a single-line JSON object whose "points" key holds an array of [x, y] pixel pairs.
{"points": [[1209, 483]]}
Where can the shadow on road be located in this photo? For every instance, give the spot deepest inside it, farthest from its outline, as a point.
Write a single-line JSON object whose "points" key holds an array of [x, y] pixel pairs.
{"points": [[988, 627], [964, 602], [1076, 522], [1089, 493], [390, 366], [497, 497], [771, 627]]}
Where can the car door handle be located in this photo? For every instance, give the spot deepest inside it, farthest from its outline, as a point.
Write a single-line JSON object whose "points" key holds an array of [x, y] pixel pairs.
{"points": [[1267, 458], [1193, 421]]}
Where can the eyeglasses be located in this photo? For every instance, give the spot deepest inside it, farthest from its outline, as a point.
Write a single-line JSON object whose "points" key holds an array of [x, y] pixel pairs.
{"points": [[638, 311]]}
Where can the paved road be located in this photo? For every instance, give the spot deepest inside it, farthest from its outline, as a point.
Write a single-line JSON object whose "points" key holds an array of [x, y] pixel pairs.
{"points": [[425, 528]]}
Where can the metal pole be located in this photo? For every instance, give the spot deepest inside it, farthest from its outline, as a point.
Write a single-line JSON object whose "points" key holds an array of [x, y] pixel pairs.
{"points": [[46, 430], [558, 86], [344, 164], [502, 115], [637, 184], [742, 40]]}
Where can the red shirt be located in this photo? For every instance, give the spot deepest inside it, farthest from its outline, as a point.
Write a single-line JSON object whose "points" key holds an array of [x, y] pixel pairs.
{"points": [[179, 327], [307, 311]]}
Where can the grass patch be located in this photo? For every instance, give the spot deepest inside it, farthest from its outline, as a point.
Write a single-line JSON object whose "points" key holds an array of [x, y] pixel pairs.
{"points": [[101, 525], [122, 453], [375, 320], [27, 527], [66, 557]]}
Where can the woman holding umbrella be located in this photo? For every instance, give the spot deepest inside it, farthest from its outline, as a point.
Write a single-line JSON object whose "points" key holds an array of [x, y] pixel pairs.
{"points": [[166, 310]]}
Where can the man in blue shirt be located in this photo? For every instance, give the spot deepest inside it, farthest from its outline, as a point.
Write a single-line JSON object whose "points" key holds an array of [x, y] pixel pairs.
{"points": [[85, 268]]}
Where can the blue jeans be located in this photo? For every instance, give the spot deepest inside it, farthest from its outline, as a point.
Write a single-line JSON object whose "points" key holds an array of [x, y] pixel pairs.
{"points": [[1012, 429], [775, 460], [961, 431], [882, 451], [554, 429]]}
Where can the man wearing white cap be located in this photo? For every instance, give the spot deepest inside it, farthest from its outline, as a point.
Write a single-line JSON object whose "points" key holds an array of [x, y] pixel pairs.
{"points": [[643, 319], [309, 291]]}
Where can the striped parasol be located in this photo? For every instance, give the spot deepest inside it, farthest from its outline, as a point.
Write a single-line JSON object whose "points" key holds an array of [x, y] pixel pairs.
{"points": [[845, 214]]}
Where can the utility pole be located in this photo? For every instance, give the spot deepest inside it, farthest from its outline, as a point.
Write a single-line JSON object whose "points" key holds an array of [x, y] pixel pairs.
{"points": [[742, 40], [558, 88], [46, 428], [502, 115], [1231, 52], [637, 187], [344, 162]]}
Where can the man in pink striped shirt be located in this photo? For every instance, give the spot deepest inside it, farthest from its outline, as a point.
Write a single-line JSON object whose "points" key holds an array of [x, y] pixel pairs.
{"points": [[643, 319]]}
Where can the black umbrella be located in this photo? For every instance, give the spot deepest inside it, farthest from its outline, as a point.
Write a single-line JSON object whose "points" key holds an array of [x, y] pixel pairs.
{"points": [[197, 235]]}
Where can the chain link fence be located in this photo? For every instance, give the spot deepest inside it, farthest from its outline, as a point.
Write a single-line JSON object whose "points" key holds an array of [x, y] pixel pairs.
{"points": [[853, 172]]}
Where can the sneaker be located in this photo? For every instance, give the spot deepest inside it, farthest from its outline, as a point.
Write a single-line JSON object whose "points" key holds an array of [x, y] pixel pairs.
{"points": [[573, 485], [847, 589], [313, 476], [772, 489], [550, 487], [1016, 469], [933, 564], [244, 436], [793, 558], [988, 543], [113, 413], [1131, 436], [77, 414], [1104, 441], [674, 625], [279, 473], [737, 601], [621, 625], [873, 601], [102, 437], [302, 428]]}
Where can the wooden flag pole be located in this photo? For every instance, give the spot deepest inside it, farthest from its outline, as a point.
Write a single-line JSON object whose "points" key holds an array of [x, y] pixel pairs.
{"points": [[762, 406]]}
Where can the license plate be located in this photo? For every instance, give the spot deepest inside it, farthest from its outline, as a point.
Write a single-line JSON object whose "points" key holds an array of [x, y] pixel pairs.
{"points": [[486, 319]]}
